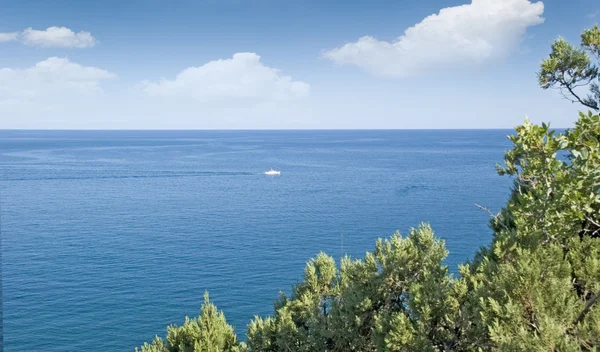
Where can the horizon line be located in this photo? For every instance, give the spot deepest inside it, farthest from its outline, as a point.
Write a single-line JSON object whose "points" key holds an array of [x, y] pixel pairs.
{"points": [[256, 129]]}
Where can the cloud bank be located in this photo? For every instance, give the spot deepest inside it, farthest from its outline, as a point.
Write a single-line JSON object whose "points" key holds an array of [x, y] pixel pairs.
{"points": [[456, 36], [50, 82], [238, 92], [57, 37], [241, 78]]}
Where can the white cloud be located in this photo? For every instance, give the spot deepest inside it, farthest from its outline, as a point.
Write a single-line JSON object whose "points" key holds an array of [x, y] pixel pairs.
{"points": [[7, 37], [456, 36], [53, 80], [239, 92], [59, 37], [241, 78]]}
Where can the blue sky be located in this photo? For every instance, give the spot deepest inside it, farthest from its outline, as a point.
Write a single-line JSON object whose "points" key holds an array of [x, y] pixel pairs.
{"points": [[281, 64]]}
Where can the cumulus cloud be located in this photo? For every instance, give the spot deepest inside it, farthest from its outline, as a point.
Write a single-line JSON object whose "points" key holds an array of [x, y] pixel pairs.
{"points": [[241, 78], [58, 37], [239, 92], [52, 80], [456, 36]]}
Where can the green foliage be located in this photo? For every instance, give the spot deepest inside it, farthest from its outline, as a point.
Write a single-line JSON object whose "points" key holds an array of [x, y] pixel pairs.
{"points": [[301, 321], [207, 333], [398, 298], [568, 67], [400, 293], [532, 284]]}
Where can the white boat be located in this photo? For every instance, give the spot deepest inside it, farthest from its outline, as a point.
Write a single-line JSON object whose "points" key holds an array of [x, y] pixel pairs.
{"points": [[272, 172]]}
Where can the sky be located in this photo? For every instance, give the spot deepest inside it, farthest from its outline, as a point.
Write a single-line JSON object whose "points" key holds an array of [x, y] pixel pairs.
{"points": [[282, 64]]}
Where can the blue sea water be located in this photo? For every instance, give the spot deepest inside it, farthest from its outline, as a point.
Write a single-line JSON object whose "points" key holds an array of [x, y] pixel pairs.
{"points": [[108, 236]]}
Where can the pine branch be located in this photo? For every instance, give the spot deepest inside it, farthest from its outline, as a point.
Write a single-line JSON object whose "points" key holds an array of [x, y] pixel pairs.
{"points": [[495, 217], [569, 88], [587, 308]]}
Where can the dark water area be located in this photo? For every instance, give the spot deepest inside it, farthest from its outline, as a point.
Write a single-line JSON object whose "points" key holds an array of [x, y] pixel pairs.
{"points": [[108, 236]]}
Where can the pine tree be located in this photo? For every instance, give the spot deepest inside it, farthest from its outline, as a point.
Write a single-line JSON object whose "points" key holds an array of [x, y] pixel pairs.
{"points": [[207, 333]]}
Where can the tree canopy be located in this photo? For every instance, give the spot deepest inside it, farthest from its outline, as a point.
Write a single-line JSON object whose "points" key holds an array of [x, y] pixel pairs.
{"points": [[207, 333], [568, 68]]}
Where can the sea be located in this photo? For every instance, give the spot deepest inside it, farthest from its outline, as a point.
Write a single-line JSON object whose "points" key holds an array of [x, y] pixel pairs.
{"points": [[109, 236]]}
